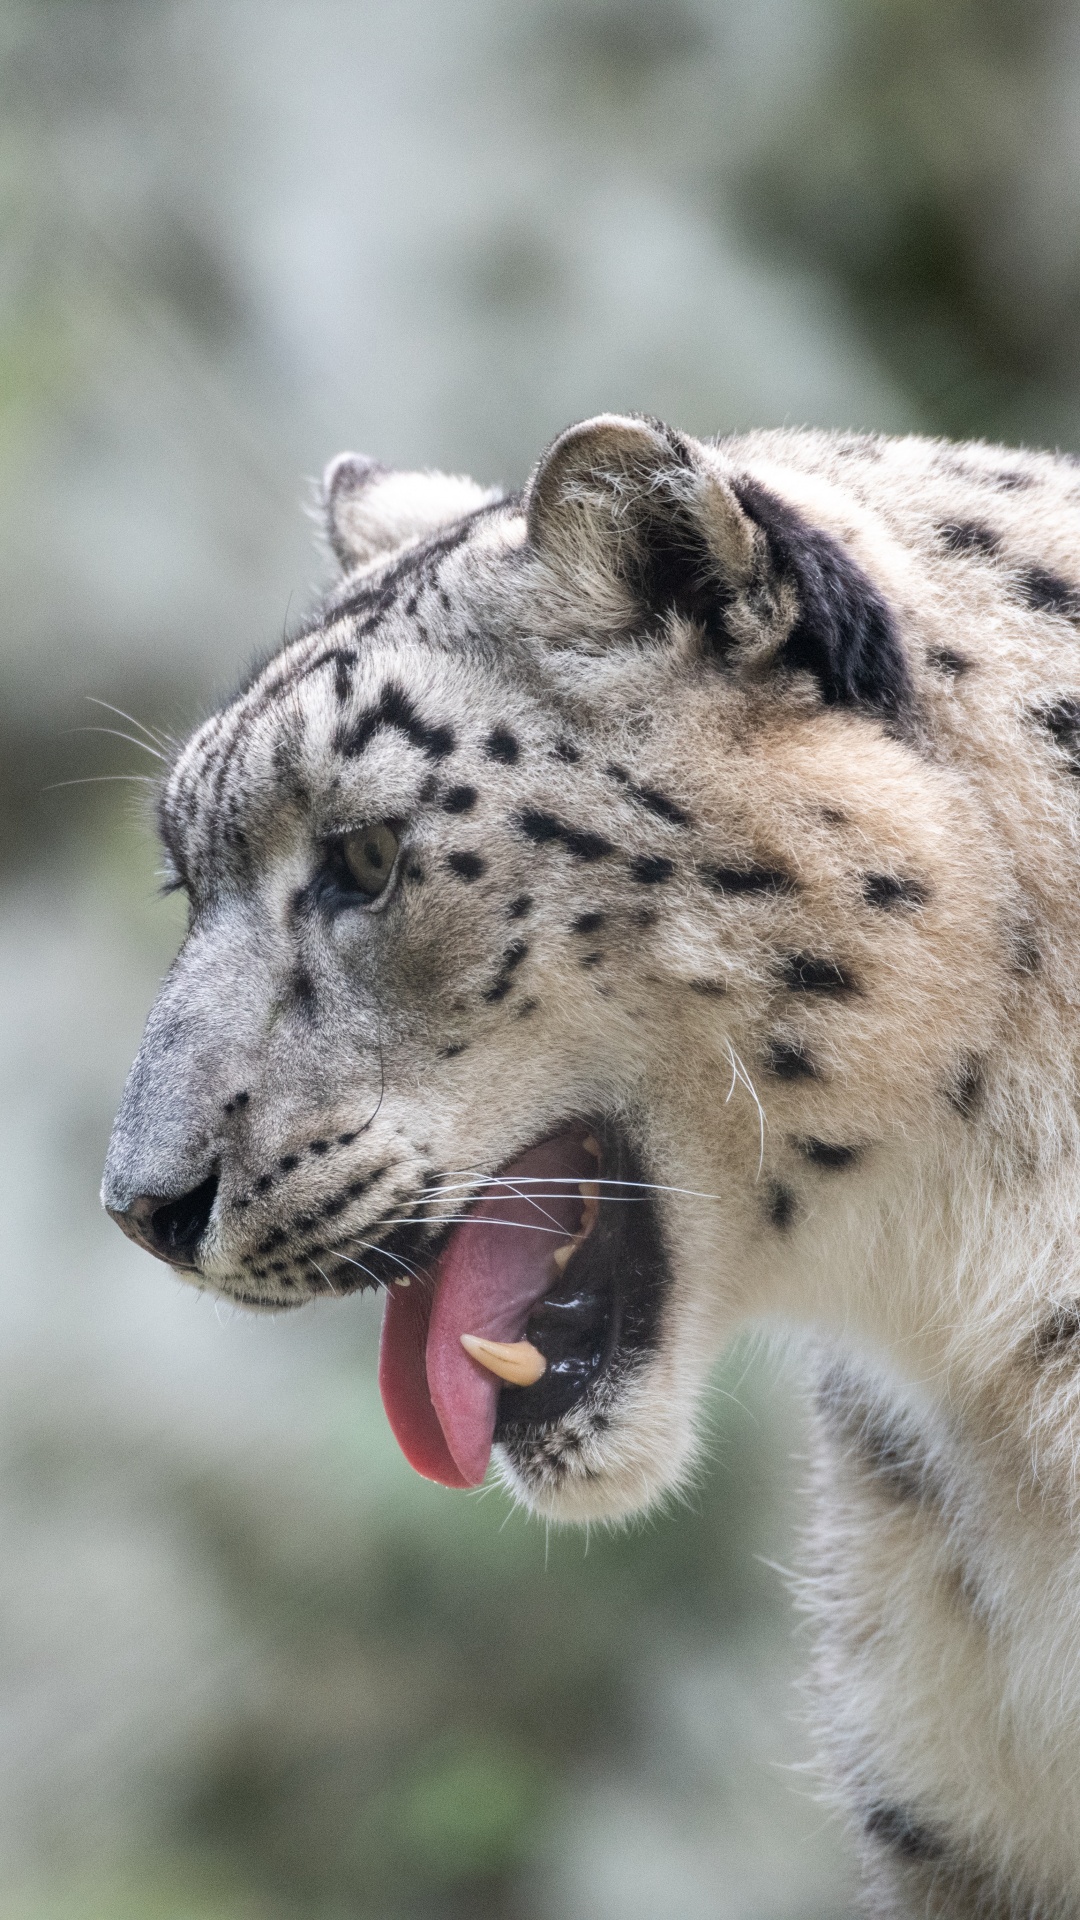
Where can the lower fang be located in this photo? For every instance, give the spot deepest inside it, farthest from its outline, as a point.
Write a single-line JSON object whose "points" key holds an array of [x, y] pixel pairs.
{"points": [[402, 1281], [516, 1361]]}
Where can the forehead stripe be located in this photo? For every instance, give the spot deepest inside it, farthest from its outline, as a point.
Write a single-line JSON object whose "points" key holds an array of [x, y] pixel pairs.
{"points": [[394, 709]]}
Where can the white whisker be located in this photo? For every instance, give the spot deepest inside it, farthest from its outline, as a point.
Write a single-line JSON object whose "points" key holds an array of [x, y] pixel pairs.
{"points": [[154, 734], [131, 738]]}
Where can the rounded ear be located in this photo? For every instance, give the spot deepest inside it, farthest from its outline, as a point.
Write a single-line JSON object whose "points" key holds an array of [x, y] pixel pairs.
{"points": [[635, 522], [368, 510], [635, 506]]}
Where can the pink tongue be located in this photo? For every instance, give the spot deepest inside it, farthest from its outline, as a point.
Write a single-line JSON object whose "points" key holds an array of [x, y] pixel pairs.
{"points": [[441, 1403]]}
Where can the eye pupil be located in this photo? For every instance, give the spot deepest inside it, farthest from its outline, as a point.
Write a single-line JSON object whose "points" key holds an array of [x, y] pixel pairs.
{"points": [[369, 855]]}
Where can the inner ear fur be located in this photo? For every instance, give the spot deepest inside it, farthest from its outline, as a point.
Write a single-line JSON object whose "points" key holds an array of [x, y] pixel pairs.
{"points": [[641, 522], [622, 503], [369, 511]]}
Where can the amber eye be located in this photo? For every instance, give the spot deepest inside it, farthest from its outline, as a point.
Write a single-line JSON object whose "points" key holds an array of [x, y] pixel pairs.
{"points": [[369, 855]]}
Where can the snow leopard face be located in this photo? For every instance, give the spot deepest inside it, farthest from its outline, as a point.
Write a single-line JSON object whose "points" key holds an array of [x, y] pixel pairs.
{"points": [[588, 947]]}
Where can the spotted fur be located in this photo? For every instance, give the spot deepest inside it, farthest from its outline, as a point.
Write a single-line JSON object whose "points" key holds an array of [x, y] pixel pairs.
{"points": [[736, 791]]}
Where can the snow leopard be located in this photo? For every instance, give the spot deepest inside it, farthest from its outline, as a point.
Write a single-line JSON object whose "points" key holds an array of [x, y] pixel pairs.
{"points": [[645, 904]]}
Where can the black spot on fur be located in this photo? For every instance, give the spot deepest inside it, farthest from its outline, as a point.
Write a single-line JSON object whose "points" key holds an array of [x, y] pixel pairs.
{"points": [[414, 871], [566, 750], [242, 1099], [524, 1008], [395, 709], [823, 1153], [460, 800], [889, 890], [969, 536], [807, 973], [467, 866], [592, 960], [303, 989], [650, 798], [588, 923], [346, 1139], [789, 1060], [318, 1147], [645, 917], [344, 661], [451, 1053], [844, 634], [891, 1827], [1048, 592], [1026, 956], [502, 745], [651, 870], [512, 958], [264, 1183], [948, 662], [1062, 721], [965, 1091], [544, 829], [747, 879], [288, 1161], [780, 1205], [1060, 1328], [882, 1441], [518, 908]]}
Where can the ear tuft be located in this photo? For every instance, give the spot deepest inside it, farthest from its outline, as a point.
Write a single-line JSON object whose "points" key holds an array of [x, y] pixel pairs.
{"points": [[369, 511]]}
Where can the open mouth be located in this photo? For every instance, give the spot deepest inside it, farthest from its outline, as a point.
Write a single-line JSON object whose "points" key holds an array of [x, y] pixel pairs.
{"points": [[550, 1286]]}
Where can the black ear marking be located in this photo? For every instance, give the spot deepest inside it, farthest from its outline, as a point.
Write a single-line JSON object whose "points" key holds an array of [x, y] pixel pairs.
{"points": [[844, 635]]}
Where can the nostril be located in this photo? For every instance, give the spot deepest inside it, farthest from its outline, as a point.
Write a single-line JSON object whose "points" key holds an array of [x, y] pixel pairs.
{"points": [[172, 1228], [178, 1225]]}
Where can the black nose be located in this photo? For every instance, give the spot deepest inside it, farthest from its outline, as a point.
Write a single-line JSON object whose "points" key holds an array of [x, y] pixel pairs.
{"points": [[171, 1229]]}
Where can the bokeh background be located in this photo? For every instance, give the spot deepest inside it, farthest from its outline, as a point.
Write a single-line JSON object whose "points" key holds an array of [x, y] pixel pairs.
{"points": [[252, 1669]]}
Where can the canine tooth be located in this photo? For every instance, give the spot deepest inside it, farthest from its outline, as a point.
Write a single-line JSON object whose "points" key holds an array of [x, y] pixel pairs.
{"points": [[589, 1189], [517, 1361], [591, 1145], [402, 1280], [563, 1255]]}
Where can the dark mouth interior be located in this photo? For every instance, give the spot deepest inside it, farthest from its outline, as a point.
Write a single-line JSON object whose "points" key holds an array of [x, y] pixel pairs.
{"points": [[604, 1306]]}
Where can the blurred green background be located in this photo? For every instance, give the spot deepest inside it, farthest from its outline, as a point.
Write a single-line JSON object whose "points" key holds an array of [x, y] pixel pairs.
{"points": [[253, 1669]]}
